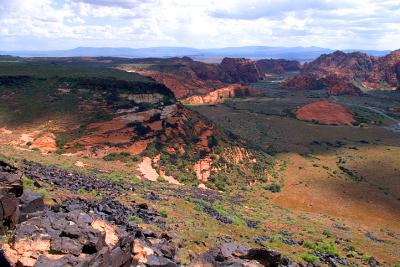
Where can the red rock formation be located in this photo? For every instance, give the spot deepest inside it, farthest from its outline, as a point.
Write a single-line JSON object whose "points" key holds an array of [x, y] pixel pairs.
{"points": [[325, 112], [202, 169], [304, 82], [218, 96], [186, 77], [344, 88], [45, 143], [337, 71], [240, 70], [183, 87], [277, 66]]}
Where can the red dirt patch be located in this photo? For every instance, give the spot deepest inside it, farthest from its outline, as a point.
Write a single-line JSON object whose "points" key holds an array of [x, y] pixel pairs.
{"points": [[45, 143], [325, 112]]}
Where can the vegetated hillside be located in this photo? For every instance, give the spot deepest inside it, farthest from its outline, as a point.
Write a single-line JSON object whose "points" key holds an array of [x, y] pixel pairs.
{"points": [[349, 73], [92, 110], [186, 77]]}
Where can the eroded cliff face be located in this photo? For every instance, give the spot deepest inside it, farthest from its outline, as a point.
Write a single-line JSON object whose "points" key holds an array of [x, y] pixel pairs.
{"points": [[220, 95], [187, 78], [183, 87], [240, 70], [345, 73]]}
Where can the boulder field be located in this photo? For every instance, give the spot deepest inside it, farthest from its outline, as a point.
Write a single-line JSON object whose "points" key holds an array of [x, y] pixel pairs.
{"points": [[75, 231]]}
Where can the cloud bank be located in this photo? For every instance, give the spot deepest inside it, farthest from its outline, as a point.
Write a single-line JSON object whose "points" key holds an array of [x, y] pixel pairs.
{"points": [[63, 24]]}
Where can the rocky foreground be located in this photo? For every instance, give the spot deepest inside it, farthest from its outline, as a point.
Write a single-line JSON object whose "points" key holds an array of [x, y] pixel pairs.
{"points": [[74, 231]]}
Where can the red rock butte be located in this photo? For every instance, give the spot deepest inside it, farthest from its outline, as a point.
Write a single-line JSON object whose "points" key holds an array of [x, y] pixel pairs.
{"points": [[325, 112]]}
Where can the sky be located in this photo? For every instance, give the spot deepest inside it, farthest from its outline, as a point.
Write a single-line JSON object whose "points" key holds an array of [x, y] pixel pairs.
{"points": [[65, 24]]}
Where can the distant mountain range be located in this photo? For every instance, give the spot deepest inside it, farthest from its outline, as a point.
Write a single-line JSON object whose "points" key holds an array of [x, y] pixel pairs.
{"points": [[254, 52]]}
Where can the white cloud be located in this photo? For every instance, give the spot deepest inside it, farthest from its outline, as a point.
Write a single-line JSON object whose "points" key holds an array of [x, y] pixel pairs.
{"points": [[57, 24]]}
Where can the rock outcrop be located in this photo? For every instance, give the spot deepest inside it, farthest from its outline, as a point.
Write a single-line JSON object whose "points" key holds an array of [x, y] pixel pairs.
{"points": [[10, 191], [240, 70], [277, 66], [343, 88], [327, 113], [339, 71], [76, 232], [183, 87], [186, 77], [220, 95], [231, 254], [248, 71]]}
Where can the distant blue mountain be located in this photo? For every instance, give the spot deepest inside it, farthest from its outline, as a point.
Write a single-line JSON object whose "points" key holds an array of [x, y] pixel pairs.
{"points": [[255, 52]]}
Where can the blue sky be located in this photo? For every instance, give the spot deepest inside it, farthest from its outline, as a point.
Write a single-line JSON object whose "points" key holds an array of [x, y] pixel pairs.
{"points": [[63, 24]]}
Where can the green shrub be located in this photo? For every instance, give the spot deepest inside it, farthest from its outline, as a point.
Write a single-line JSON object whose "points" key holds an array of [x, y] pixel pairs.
{"points": [[43, 192], [60, 143], [125, 154], [309, 258], [114, 177], [163, 213], [326, 248], [27, 183], [308, 244], [274, 188], [82, 190], [151, 150], [110, 157], [161, 179], [327, 233], [135, 219], [218, 181], [309, 230]]}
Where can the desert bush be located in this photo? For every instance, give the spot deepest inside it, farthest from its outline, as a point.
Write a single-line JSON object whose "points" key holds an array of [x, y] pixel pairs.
{"points": [[274, 188], [309, 258]]}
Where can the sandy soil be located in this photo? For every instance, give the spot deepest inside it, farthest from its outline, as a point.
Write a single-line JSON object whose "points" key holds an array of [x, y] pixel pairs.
{"points": [[311, 186]]}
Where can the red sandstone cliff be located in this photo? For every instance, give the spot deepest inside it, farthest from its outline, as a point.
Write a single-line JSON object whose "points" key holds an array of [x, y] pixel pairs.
{"points": [[186, 77], [218, 96], [338, 72]]}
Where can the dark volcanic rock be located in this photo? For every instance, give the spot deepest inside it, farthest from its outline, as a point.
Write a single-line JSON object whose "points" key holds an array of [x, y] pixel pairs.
{"points": [[10, 190], [30, 202], [72, 181], [213, 213], [74, 238], [231, 254], [158, 261]]}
